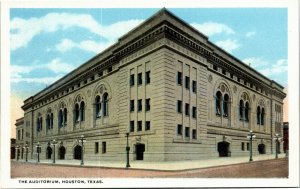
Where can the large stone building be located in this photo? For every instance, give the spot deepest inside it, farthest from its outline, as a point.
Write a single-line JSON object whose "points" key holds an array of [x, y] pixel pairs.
{"points": [[178, 95]]}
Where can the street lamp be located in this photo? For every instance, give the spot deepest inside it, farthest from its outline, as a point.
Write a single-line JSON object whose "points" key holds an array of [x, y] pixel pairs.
{"points": [[251, 135], [18, 148], [38, 150], [82, 140], [54, 142], [127, 150], [26, 151], [277, 138]]}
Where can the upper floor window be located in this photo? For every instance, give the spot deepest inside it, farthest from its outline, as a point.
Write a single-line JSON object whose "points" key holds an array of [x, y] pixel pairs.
{"points": [[147, 104], [131, 105], [179, 106], [244, 110], [131, 79], [105, 104], [139, 126], [139, 108], [109, 69], [187, 109], [194, 134], [222, 101], [49, 120], [194, 86], [187, 82], [147, 125], [131, 129], [82, 111], [79, 111], [194, 114], [179, 129], [260, 114], [187, 132], [98, 106], [179, 78], [39, 123], [148, 79], [140, 78]]}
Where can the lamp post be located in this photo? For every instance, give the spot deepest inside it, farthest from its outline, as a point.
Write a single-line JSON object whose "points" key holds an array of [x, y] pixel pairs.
{"points": [[127, 151], [251, 135], [82, 140], [18, 148], [277, 138], [26, 151], [54, 142], [38, 150]]}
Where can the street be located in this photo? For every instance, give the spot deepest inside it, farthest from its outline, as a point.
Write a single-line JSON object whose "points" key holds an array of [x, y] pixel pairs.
{"points": [[257, 169]]}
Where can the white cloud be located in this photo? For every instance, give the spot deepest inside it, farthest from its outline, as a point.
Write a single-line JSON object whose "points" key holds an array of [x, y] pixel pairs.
{"points": [[213, 28], [250, 34], [56, 66], [59, 67], [229, 45], [255, 62], [281, 66], [24, 30], [87, 45]]}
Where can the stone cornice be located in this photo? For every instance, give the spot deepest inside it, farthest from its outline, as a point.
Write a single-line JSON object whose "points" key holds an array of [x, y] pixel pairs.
{"points": [[164, 29]]}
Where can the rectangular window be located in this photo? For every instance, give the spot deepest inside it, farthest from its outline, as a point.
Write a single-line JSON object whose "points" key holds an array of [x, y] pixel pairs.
{"points": [[103, 147], [100, 74], [179, 106], [147, 104], [131, 126], [187, 82], [215, 68], [187, 132], [19, 133], [139, 105], [140, 78], [194, 112], [243, 146], [179, 129], [22, 136], [248, 146], [131, 105], [78, 85], [179, 78], [92, 78], [147, 126], [187, 109], [96, 147], [132, 80], [109, 69], [194, 134], [194, 85], [223, 72], [148, 80], [85, 82], [139, 128], [231, 75]]}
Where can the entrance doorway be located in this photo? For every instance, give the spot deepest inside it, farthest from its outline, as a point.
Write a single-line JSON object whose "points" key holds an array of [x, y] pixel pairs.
{"points": [[140, 149], [223, 149], [261, 149], [62, 152], [49, 152], [77, 152]]}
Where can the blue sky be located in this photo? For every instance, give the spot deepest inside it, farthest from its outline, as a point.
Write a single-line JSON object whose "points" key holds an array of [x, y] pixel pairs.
{"points": [[46, 44]]}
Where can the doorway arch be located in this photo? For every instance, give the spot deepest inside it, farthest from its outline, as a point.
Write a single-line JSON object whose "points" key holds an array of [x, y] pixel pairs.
{"points": [[77, 152], [62, 152], [223, 149], [140, 149], [48, 152], [261, 149]]}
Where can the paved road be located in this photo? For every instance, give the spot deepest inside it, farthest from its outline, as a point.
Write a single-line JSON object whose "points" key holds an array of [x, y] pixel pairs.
{"points": [[257, 169]]}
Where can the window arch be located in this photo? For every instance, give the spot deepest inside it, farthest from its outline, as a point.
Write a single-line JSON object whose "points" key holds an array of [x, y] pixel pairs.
{"points": [[244, 107], [98, 106], [105, 104], [222, 100]]}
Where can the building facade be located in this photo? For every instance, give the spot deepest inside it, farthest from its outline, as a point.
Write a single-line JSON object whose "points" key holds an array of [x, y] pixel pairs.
{"points": [[177, 94]]}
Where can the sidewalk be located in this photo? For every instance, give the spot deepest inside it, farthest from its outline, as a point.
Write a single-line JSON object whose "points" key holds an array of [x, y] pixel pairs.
{"points": [[170, 166]]}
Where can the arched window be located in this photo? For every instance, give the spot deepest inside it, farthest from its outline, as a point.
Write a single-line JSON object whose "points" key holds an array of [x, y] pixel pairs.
{"points": [[218, 103], [241, 109], [82, 111], [65, 116], [41, 123], [98, 106], [262, 116], [77, 117], [48, 126], [105, 104], [60, 118], [38, 127], [247, 111], [258, 114], [51, 120], [225, 105]]}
